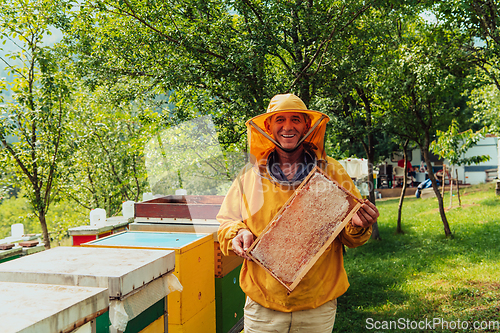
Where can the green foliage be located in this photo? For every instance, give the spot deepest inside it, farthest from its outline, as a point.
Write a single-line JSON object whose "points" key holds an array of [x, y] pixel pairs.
{"points": [[38, 112], [356, 69], [480, 20], [108, 135], [62, 216], [222, 58], [377, 69], [189, 156], [2, 88], [424, 83], [453, 145], [486, 103], [16, 210]]}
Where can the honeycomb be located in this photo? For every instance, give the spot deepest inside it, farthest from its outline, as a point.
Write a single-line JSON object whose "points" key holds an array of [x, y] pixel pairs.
{"points": [[304, 226]]}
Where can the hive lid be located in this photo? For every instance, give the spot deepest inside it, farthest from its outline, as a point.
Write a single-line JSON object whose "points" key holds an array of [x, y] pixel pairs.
{"points": [[111, 224], [152, 240], [177, 225], [120, 270], [31, 308]]}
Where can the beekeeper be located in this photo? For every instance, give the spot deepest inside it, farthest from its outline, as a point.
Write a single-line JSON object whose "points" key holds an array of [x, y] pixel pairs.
{"points": [[285, 144]]}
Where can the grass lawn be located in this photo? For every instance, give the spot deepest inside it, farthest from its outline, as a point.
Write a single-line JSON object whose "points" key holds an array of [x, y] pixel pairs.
{"points": [[407, 279]]}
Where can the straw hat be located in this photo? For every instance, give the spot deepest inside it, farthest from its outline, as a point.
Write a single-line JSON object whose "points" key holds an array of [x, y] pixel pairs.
{"points": [[285, 103], [261, 141]]}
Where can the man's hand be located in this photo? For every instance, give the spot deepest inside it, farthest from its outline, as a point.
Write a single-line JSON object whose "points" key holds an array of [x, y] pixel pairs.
{"points": [[366, 215], [241, 242]]}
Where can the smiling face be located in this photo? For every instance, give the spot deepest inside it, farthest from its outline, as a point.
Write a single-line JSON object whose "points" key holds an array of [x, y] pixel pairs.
{"points": [[288, 128]]}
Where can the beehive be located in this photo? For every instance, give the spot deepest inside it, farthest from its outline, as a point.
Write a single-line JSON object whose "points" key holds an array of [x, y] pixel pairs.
{"points": [[304, 227], [197, 214], [193, 309]]}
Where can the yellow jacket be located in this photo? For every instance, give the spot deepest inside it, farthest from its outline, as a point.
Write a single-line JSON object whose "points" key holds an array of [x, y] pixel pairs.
{"points": [[325, 281], [254, 199]]}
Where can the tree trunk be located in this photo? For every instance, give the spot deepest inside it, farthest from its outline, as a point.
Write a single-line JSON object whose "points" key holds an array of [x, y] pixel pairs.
{"points": [[458, 190], [451, 186], [425, 151], [442, 180], [370, 154], [371, 158], [45, 231], [399, 230], [375, 232]]}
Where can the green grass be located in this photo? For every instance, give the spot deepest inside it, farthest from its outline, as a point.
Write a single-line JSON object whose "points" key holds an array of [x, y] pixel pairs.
{"points": [[421, 274]]}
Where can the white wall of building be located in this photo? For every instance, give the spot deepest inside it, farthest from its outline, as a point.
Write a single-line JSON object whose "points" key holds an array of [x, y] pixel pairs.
{"points": [[475, 174]]}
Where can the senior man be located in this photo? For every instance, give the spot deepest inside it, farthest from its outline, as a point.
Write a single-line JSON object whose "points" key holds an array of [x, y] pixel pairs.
{"points": [[286, 143]]}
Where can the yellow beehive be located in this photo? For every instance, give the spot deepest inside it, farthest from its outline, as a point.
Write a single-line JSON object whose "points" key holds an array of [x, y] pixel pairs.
{"points": [[203, 321], [194, 267], [157, 326]]}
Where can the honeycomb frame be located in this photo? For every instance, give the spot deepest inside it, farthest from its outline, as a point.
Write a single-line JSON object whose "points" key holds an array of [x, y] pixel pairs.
{"points": [[268, 235]]}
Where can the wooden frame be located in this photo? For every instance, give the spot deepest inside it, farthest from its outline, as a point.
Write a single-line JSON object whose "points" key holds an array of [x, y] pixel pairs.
{"points": [[354, 204]]}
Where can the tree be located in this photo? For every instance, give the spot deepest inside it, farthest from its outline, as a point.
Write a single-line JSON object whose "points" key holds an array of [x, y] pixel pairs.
{"points": [[480, 19], [226, 58], [36, 119], [108, 137], [352, 93], [399, 229], [453, 145], [423, 87], [485, 100]]}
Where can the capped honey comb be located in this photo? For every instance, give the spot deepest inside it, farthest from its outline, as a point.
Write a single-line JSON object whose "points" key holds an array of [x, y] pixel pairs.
{"points": [[304, 227]]}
